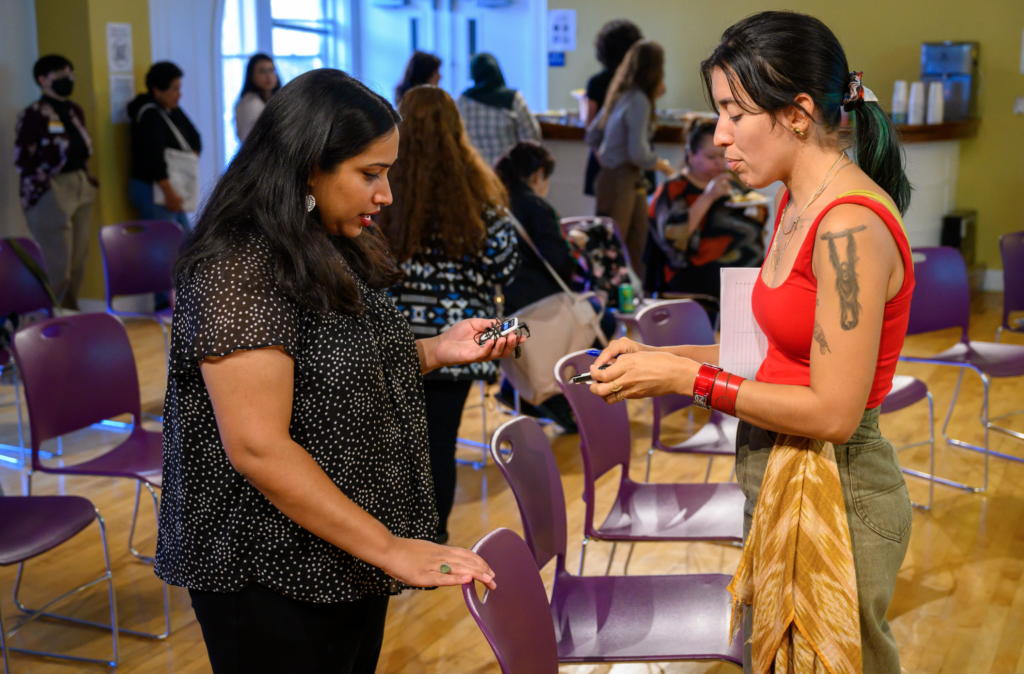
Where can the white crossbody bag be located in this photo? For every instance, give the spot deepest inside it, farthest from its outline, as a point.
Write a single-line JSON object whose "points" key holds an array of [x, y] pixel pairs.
{"points": [[182, 167], [559, 324]]}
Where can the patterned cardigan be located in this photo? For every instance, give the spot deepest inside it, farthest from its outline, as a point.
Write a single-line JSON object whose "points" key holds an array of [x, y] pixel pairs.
{"points": [[40, 154], [438, 292]]}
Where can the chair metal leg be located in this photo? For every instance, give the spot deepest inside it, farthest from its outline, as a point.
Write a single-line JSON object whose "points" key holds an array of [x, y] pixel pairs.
{"points": [[625, 569], [965, 445], [17, 410], [483, 445], [34, 614], [930, 475], [647, 475], [3, 643], [611, 558], [707, 475], [135, 516], [583, 553], [999, 332]]}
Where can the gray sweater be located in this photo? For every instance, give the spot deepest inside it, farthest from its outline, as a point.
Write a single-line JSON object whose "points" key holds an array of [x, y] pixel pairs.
{"points": [[626, 137]]}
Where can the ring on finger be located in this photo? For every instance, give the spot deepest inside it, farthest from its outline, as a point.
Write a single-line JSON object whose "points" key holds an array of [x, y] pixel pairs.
{"points": [[446, 568], [618, 396], [616, 388]]}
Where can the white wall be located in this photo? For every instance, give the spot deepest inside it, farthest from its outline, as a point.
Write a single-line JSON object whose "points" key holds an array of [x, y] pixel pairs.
{"points": [[184, 31], [18, 52]]}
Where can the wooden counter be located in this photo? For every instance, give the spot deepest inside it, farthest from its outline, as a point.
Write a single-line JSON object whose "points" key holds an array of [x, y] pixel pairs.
{"points": [[917, 133]]}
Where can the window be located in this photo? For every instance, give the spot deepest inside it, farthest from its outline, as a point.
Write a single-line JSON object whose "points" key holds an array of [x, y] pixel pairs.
{"points": [[300, 34]]}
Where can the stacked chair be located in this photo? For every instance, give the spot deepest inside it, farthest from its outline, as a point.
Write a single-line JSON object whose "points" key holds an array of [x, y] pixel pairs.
{"points": [[596, 619], [643, 511]]}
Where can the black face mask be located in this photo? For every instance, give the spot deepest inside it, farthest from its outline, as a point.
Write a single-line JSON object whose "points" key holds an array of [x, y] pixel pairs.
{"points": [[63, 87]]}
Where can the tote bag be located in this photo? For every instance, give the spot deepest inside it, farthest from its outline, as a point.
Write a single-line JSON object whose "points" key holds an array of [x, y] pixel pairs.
{"points": [[182, 168], [559, 324]]}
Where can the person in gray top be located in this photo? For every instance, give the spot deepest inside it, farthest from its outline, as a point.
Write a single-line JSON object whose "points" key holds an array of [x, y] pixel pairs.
{"points": [[621, 138]]}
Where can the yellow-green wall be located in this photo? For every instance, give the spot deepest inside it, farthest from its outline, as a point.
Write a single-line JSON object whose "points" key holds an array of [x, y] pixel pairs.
{"points": [[77, 29], [881, 37]]}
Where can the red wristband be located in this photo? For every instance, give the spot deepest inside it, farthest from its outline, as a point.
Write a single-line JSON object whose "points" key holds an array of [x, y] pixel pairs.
{"points": [[723, 393], [703, 385]]}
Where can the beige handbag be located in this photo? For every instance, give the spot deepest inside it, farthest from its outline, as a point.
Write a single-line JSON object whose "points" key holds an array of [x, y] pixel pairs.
{"points": [[559, 324], [182, 168]]}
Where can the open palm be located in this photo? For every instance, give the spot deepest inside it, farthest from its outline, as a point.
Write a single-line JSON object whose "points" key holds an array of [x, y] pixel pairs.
{"points": [[457, 345]]}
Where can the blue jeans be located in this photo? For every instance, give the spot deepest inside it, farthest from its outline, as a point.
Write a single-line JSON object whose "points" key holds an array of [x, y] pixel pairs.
{"points": [[141, 196]]}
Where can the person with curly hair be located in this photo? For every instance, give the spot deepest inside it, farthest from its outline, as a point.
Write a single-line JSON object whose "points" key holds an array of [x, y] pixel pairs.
{"points": [[453, 236]]}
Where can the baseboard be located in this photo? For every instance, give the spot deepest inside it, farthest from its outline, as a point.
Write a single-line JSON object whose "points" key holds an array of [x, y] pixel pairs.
{"points": [[994, 280], [87, 306]]}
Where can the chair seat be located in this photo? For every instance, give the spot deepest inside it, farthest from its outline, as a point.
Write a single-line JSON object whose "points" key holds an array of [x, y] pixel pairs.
{"points": [[646, 511], [717, 437], [995, 360], [905, 392], [140, 457], [644, 618], [32, 525]]}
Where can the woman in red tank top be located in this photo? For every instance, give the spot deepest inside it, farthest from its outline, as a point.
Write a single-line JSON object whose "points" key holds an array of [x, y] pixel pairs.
{"points": [[833, 299]]}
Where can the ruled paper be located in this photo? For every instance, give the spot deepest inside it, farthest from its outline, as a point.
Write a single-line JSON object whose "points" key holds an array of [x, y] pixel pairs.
{"points": [[743, 345]]}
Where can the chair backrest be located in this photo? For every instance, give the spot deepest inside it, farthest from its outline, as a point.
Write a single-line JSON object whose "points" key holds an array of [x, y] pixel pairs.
{"points": [[1012, 248], [532, 473], [20, 291], [516, 618], [77, 371], [673, 323], [567, 224], [139, 257], [604, 428], [942, 294]]}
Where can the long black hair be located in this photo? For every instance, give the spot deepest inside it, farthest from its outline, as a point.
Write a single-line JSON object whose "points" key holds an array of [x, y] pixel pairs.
{"points": [[250, 71], [421, 67], [776, 56], [319, 120]]}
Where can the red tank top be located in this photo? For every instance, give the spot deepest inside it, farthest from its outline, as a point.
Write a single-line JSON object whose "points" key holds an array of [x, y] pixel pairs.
{"points": [[786, 313]]}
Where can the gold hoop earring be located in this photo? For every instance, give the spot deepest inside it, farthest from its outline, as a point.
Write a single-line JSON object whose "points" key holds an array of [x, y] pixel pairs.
{"points": [[798, 132]]}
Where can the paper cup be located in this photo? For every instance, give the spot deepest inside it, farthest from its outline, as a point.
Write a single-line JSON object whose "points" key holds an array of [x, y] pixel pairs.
{"points": [[916, 103], [900, 91], [936, 104]]}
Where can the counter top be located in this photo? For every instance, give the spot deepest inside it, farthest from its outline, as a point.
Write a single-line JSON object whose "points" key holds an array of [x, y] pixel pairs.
{"points": [[917, 133]]}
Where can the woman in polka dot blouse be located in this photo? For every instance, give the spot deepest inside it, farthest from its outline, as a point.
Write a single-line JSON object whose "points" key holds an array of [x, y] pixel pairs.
{"points": [[297, 494]]}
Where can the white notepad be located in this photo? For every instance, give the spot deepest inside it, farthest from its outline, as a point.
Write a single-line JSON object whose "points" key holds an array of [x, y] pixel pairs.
{"points": [[743, 345]]}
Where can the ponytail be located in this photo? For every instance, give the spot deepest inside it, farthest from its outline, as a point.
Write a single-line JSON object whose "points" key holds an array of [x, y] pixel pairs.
{"points": [[522, 161], [879, 152]]}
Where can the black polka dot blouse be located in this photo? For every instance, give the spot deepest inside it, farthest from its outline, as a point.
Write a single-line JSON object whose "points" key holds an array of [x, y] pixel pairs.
{"points": [[358, 409]]}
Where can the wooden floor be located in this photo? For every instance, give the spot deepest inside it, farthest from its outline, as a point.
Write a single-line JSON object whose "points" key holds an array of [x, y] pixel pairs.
{"points": [[959, 604]]}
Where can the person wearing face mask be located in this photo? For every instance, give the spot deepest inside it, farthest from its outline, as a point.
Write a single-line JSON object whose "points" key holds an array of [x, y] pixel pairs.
{"points": [[297, 496], [152, 115], [51, 150], [696, 231], [261, 82]]}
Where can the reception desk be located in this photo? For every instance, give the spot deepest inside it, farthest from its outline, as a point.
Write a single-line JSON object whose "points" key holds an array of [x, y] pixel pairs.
{"points": [[933, 158]]}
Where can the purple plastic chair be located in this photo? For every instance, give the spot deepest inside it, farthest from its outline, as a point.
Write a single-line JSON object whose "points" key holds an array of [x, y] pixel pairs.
{"points": [[1012, 248], [20, 293], [79, 371], [643, 511], [672, 323], [907, 391], [32, 525], [942, 300], [607, 618], [138, 258], [514, 618]]}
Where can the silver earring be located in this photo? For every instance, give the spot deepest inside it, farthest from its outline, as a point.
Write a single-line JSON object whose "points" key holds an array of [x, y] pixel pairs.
{"points": [[310, 203]]}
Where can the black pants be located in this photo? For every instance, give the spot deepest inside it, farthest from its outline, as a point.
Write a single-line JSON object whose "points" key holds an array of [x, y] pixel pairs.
{"points": [[445, 400], [258, 630]]}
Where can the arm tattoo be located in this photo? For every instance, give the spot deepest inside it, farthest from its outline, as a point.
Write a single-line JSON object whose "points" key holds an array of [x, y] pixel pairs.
{"points": [[846, 275], [819, 337]]}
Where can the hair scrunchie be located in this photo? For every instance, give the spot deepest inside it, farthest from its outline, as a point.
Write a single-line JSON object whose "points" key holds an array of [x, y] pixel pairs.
{"points": [[856, 93]]}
